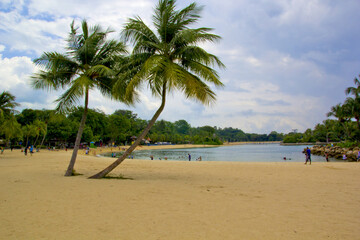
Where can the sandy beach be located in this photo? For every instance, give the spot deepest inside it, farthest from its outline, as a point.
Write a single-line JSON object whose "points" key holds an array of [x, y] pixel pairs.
{"points": [[176, 199]]}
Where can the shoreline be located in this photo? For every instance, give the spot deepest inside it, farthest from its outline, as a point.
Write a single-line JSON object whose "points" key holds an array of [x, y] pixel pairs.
{"points": [[101, 150]]}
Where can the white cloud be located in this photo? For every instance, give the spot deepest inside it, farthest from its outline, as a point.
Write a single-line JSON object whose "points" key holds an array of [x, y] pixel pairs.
{"points": [[287, 61], [15, 77]]}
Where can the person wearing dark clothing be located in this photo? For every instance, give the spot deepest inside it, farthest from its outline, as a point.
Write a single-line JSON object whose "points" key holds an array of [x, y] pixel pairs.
{"points": [[189, 156], [308, 155]]}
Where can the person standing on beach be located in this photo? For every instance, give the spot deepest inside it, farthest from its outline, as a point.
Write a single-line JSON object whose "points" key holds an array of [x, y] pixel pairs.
{"points": [[189, 157], [308, 155], [26, 149], [31, 150], [358, 157], [327, 156]]}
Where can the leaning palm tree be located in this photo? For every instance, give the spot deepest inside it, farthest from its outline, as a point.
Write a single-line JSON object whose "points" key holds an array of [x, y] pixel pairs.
{"points": [[7, 104], [169, 59], [29, 130], [41, 127], [88, 64]]}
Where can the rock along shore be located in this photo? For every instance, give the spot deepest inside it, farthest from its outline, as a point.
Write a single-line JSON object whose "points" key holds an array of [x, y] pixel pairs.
{"points": [[336, 152]]}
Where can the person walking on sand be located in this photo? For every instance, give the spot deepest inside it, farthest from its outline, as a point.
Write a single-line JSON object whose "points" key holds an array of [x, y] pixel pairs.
{"points": [[358, 157], [327, 156], [189, 157], [308, 155]]}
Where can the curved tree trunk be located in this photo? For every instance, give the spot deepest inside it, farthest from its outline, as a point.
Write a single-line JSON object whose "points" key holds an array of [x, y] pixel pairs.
{"points": [[37, 137], [117, 162], [69, 171], [42, 141]]}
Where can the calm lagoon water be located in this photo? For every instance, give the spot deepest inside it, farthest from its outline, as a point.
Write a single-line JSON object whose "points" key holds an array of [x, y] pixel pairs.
{"points": [[236, 153]]}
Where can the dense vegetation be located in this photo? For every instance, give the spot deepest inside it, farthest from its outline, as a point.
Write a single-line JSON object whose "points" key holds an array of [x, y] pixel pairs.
{"points": [[49, 128]]}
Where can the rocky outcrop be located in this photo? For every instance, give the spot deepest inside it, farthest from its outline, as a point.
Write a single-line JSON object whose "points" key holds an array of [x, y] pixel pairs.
{"points": [[336, 152]]}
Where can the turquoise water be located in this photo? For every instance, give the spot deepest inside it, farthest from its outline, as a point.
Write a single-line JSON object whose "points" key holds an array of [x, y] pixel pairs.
{"points": [[236, 153]]}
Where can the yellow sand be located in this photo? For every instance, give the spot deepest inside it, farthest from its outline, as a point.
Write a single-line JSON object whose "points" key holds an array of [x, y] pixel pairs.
{"points": [[177, 200]]}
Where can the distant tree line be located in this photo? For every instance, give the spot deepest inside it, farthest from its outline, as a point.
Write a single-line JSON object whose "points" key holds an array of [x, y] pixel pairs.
{"points": [[49, 128]]}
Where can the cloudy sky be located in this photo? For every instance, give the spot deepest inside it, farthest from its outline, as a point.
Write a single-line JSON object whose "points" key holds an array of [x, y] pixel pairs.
{"points": [[287, 61]]}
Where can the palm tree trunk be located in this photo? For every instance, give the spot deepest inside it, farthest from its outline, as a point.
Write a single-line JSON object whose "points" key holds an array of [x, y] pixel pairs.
{"points": [[42, 141], [117, 162], [37, 137], [69, 171]]}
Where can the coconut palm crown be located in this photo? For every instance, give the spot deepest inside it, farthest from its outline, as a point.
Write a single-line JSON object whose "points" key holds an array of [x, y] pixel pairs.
{"points": [[354, 90], [169, 59], [87, 64], [7, 104]]}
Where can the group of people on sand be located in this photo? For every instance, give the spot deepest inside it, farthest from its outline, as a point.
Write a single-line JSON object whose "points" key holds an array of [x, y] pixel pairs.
{"points": [[29, 149]]}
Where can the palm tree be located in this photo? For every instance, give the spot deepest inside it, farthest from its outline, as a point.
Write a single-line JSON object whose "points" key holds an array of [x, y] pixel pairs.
{"points": [[169, 60], [11, 129], [88, 64], [353, 106], [354, 90], [41, 129], [7, 104], [338, 112], [342, 113], [29, 130]]}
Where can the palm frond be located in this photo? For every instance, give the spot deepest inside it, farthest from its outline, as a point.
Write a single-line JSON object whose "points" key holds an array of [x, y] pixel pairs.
{"points": [[191, 37], [197, 54], [205, 72], [187, 16], [71, 96], [195, 89], [136, 31], [58, 70]]}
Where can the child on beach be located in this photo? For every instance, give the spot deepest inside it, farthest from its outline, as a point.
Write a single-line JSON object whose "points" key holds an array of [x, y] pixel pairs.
{"points": [[327, 156]]}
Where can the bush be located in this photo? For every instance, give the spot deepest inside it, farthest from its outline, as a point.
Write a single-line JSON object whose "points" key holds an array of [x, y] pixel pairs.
{"points": [[348, 144]]}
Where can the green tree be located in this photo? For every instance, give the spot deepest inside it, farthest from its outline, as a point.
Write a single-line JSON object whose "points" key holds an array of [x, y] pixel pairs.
{"points": [[353, 105], [29, 131], [182, 127], [118, 128], [87, 64], [341, 112], [354, 90], [11, 129], [41, 129], [7, 104], [171, 60]]}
